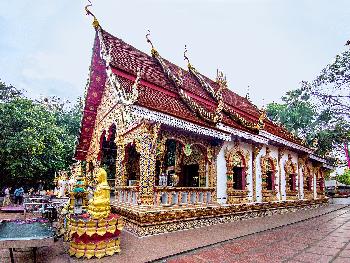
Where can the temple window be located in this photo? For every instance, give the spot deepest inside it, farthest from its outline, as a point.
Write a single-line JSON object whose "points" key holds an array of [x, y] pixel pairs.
{"points": [[269, 180], [321, 184], [238, 178], [109, 152], [190, 176], [309, 183], [132, 166], [292, 182]]}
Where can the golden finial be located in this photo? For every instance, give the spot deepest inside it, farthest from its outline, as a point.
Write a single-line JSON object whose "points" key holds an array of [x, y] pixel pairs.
{"points": [[154, 52], [95, 23], [148, 40], [221, 78], [186, 58]]}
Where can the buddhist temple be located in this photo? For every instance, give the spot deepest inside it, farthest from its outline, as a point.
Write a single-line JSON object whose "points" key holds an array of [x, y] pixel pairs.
{"points": [[184, 150]]}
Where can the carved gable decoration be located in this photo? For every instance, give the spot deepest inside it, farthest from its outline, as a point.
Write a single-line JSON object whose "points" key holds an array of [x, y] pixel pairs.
{"points": [[268, 163], [289, 166], [236, 157], [195, 157]]}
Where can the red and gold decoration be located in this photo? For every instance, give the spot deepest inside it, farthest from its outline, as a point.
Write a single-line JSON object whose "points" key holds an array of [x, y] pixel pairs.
{"points": [[237, 164], [291, 175], [96, 233], [268, 166]]}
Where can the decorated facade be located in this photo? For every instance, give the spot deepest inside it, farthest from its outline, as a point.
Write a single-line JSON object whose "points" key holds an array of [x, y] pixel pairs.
{"points": [[179, 145]]}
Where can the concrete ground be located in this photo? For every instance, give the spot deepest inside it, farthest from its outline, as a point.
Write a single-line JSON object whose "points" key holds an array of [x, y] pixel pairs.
{"points": [[313, 235]]}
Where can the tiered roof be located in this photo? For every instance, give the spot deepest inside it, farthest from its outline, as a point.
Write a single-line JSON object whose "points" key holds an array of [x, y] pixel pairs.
{"points": [[159, 93]]}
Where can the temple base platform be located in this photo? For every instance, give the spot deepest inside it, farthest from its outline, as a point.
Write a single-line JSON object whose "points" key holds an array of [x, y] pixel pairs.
{"points": [[149, 220]]}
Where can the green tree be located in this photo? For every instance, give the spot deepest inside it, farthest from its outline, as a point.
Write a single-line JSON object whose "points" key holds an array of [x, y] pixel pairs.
{"points": [[321, 129], [8, 92], [344, 178], [331, 88], [36, 139], [319, 111]]}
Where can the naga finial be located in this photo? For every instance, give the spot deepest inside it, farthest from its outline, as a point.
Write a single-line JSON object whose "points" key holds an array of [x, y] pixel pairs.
{"points": [[221, 78], [186, 58], [154, 52], [95, 23]]}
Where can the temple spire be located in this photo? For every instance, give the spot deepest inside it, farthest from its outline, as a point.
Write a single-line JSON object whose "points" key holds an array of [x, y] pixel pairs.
{"points": [[95, 23]]}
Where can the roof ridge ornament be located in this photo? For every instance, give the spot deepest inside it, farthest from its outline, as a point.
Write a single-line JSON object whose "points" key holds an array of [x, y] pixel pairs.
{"points": [[95, 23], [221, 78], [154, 52], [186, 58]]}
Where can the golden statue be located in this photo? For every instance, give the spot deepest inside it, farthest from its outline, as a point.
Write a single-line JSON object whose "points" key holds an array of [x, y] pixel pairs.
{"points": [[99, 205]]}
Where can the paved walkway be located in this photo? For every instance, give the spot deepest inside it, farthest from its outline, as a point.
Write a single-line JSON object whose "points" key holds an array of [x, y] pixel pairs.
{"points": [[322, 239], [275, 238]]}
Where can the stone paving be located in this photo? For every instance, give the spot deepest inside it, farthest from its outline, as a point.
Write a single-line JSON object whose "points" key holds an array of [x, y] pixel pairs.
{"points": [[322, 239], [322, 235]]}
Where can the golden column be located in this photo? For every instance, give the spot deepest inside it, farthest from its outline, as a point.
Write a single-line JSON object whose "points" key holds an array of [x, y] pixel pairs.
{"points": [[146, 145]]}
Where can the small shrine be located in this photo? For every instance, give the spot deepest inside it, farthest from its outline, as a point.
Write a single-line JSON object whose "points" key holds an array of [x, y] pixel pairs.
{"points": [[92, 229]]}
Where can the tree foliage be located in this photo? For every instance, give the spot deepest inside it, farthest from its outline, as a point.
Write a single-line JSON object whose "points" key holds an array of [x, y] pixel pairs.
{"points": [[8, 92], [36, 139], [344, 178], [319, 110], [331, 88]]}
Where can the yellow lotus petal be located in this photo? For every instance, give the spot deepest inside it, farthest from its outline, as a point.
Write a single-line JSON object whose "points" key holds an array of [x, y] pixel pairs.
{"points": [[79, 253], [81, 231], [111, 243], [110, 251], [100, 253], [112, 222], [90, 231], [120, 227], [111, 229], [71, 251], [102, 223], [117, 249], [101, 231], [89, 253], [101, 245], [80, 246]]}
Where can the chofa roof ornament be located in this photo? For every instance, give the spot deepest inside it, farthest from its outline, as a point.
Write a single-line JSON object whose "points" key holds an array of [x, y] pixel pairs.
{"points": [[154, 52], [95, 23]]}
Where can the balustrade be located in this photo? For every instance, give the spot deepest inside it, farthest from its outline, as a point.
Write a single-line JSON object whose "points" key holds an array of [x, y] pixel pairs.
{"points": [[127, 194], [169, 196]]}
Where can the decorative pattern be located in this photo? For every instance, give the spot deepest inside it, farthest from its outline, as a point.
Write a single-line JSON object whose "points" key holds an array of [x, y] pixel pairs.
{"points": [[147, 223], [268, 164], [236, 157], [94, 238], [175, 122], [308, 176], [291, 175]]}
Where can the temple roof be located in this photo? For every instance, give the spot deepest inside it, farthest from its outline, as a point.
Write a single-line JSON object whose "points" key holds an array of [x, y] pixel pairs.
{"points": [[157, 92]]}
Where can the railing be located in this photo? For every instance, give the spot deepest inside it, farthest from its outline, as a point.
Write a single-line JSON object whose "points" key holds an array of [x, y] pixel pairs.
{"points": [[127, 194], [169, 196]]}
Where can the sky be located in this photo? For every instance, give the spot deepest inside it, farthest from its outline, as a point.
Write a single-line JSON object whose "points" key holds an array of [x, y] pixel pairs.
{"points": [[265, 47]]}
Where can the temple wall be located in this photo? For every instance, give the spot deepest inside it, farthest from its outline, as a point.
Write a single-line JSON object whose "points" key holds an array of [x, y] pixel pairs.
{"points": [[221, 176]]}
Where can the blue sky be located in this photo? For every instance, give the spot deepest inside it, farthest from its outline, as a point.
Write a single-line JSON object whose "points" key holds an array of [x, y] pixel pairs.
{"points": [[269, 45]]}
